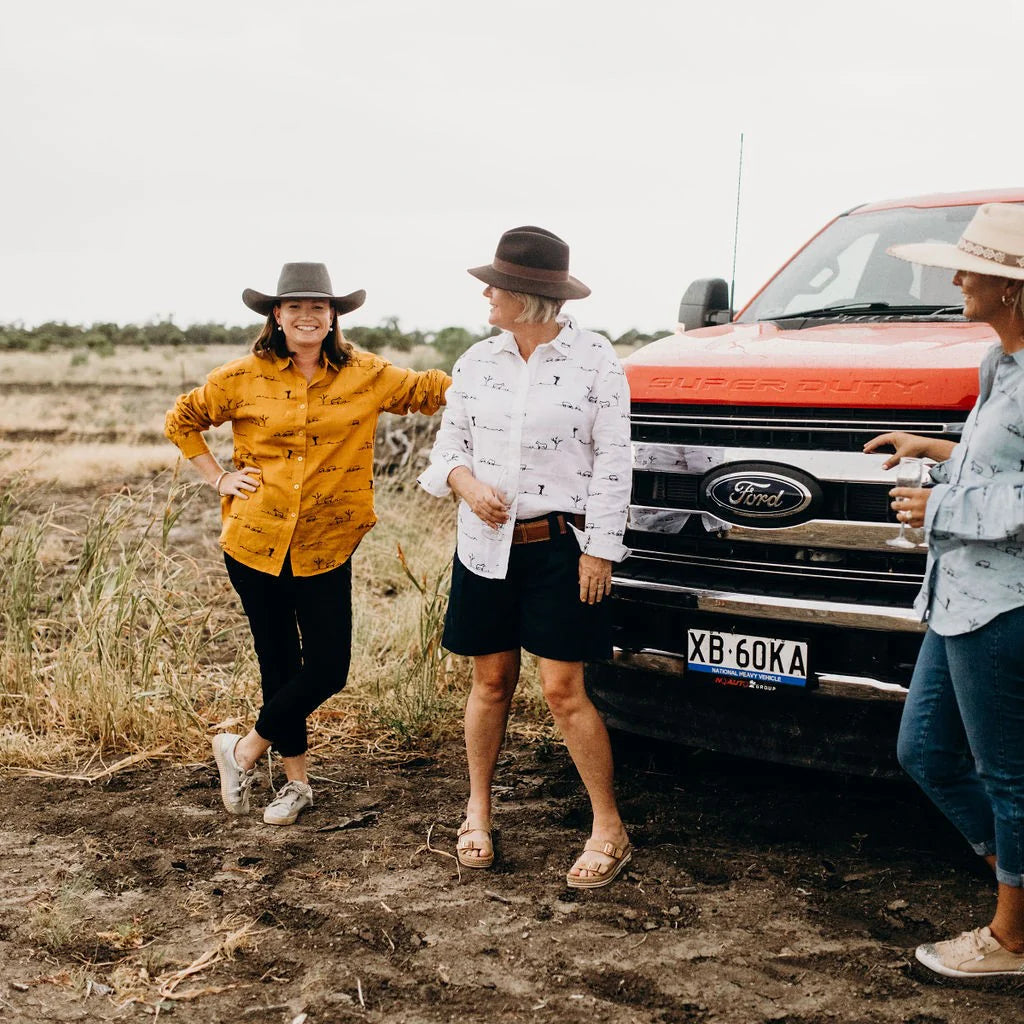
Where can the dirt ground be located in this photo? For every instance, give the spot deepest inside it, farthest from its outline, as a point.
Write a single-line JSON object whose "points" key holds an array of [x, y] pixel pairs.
{"points": [[757, 894]]}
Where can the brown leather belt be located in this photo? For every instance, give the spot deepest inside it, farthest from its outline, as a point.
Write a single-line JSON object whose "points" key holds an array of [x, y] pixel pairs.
{"points": [[530, 531]]}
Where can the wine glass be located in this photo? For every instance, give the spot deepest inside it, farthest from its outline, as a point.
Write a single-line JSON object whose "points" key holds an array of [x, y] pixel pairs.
{"points": [[501, 485], [909, 473]]}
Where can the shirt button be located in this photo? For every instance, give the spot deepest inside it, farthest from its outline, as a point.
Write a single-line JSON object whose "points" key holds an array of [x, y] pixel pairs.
{"points": [[300, 458], [296, 486], [302, 405], [293, 515]]}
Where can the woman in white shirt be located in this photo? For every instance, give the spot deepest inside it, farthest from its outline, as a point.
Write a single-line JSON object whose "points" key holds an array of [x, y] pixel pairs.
{"points": [[535, 444]]}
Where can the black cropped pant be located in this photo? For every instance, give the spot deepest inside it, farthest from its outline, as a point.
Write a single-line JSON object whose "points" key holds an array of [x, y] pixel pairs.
{"points": [[302, 632]]}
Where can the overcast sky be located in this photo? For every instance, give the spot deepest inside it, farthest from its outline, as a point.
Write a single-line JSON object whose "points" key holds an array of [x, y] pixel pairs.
{"points": [[161, 157]]}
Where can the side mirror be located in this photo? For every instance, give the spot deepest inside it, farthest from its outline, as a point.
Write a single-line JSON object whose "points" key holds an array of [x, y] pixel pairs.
{"points": [[705, 304]]}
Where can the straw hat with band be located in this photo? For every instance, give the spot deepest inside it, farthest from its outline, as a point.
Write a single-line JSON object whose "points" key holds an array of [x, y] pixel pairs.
{"points": [[532, 261], [303, 281], [992, 243]]}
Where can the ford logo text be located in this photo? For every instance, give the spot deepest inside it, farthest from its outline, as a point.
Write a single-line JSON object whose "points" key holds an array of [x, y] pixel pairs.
{"points": [[772, 495]]}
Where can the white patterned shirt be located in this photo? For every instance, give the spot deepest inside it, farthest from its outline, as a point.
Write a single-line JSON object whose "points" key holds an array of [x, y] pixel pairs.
{"points": [[550, 432], [975, 515]]}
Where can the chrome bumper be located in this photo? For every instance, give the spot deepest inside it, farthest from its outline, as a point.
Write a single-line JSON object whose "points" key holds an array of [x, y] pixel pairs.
{"points": [[858, 616], [850, 687]]}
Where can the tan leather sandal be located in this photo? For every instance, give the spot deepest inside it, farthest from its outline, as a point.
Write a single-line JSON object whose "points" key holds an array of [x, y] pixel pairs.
{"points": [[605, 873], [465, 844]]}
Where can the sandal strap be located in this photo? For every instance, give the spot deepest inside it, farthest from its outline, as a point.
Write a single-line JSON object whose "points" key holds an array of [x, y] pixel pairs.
{"points": [[466, 827], [608, 849]]}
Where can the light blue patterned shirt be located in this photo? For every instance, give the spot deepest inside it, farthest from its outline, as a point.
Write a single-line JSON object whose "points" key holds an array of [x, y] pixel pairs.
{"points": [[975, 516]]}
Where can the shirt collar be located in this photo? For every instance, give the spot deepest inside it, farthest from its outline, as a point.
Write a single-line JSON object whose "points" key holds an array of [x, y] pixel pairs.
{"points": [[283, 361], [1017, 357], [505, 342]]}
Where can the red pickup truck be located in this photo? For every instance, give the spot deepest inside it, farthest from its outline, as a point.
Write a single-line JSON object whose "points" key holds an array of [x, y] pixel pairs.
{"points": [[761, 611]]}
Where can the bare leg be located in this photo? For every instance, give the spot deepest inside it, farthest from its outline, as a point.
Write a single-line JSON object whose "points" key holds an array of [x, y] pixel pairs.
{"points": [[250, 748], [1008, 924], [295, 768], [494, 681], [587, 739]]}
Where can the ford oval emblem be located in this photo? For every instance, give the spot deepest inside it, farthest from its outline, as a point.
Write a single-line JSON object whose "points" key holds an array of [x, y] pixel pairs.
{"points": [[761, 494]]}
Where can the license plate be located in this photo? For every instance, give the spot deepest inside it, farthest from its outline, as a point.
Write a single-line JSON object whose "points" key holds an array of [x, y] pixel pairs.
{"points": [[759, 659]]}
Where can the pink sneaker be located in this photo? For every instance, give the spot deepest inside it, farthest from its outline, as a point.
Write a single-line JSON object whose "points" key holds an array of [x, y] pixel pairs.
{"points": [[974, 954]]}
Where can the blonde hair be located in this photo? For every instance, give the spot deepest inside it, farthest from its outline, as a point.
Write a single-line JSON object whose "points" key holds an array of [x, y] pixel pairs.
{"points": [[537, 309]]}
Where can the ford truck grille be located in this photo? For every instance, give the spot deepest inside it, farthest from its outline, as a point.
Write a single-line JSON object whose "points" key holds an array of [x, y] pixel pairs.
{"points": [[784, 427], [837, 553]]}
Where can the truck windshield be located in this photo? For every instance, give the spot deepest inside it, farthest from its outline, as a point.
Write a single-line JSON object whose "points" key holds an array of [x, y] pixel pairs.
{"points": [[847, 265]]}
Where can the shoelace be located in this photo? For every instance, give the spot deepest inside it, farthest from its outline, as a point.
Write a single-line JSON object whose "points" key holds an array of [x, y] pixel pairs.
{"points": [[290, 792], [969, 946]]}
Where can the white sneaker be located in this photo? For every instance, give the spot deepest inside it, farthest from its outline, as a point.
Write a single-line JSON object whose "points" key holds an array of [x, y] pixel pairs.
{"points": [[974, 954], [291, 800], [234, 779]]}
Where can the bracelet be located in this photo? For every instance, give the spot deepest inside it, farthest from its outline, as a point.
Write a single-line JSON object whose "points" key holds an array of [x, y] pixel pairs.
{"points": [[216, 485]]}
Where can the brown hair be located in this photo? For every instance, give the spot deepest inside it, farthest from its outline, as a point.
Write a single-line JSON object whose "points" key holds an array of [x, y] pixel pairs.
{"points": [[1017, 304], [271, 342]]}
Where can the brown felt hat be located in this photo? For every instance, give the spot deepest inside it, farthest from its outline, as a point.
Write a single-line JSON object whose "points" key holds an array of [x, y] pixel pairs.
{"points": [[303, 281], [533, 261]]}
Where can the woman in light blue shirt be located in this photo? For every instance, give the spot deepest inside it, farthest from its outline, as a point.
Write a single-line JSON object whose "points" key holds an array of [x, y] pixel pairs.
{"points": [[962, 734]]}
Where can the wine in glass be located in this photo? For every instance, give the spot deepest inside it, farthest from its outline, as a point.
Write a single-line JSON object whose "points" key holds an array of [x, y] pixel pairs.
{"points": [[909, 473]]}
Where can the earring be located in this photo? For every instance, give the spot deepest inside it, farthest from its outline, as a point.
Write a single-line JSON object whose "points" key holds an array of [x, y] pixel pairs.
{"points": [[279, 327]]}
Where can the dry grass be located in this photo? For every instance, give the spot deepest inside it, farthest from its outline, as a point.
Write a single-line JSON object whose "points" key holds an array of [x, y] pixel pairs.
{"points": [[163, 369], [121, 635], [86, 464]]}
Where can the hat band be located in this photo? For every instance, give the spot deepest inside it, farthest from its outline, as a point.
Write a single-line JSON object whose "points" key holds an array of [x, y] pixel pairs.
{"points": [[987, 253], [530, 273]]}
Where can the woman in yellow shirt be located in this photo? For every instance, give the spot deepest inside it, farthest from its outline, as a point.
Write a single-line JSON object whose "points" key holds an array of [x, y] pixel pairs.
{"points": [[296, 501]]}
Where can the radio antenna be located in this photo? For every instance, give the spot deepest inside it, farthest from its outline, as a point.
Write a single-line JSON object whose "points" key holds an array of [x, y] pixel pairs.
{"points": [[736, 234]]}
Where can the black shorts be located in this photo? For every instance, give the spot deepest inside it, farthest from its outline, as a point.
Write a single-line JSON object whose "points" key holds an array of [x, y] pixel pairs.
{"points": [[536, 607]]}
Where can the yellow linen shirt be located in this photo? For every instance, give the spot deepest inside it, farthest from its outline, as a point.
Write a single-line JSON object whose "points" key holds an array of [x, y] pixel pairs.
{"points": [[313, 444]]}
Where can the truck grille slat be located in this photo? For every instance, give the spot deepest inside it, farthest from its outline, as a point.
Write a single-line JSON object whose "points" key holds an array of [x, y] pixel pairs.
{"points": [[784, 427]]}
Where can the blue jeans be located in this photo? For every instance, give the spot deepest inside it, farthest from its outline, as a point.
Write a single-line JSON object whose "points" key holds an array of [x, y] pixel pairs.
{"points": [[962, 736]]}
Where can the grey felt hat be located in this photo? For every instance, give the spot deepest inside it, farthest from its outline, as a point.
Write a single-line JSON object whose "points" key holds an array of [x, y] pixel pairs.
{"points": [[532, 261], [303, 281]]}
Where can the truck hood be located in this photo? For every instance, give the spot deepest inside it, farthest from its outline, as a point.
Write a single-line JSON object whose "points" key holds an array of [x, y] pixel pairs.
{"points": [[865, 365]]}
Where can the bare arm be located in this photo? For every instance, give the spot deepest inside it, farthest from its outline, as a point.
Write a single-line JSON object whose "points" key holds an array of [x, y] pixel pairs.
{"points": [[912, 446]]}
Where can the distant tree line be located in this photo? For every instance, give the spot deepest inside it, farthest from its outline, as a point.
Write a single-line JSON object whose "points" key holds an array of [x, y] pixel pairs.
{"points": [[449, 342]]}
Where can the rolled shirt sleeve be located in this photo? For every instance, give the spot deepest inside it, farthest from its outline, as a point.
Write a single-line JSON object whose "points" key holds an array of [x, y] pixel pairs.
{"points": [[408, 391], [988, 512], [611, 484], [193, 413], [453, 445]]}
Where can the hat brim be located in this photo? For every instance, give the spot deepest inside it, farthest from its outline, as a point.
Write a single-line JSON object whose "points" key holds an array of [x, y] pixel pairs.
{"points": [[568, 289], [264, 304], [949, 257]]}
